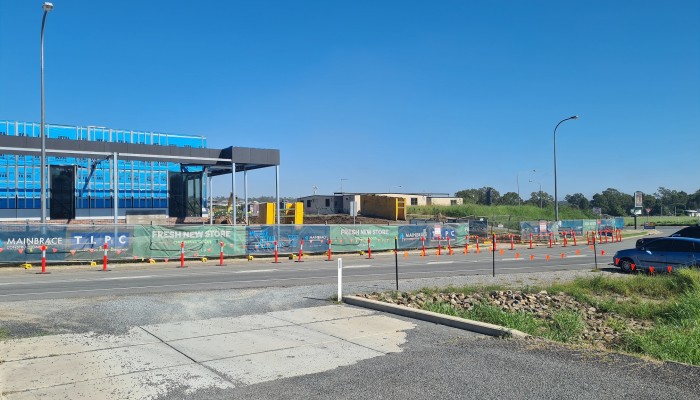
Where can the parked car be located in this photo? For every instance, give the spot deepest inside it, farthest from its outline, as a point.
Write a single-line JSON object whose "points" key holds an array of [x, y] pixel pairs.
{"points": [[692, 231], [676, 252]]}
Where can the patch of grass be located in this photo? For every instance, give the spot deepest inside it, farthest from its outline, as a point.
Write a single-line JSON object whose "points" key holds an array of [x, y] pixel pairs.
{"points": [[677, 342], [4, 333], [663, 220], [491, 314], [501, 214], [617, 324], [670, 302], [566, 326], [632, 307], [659, 286]]}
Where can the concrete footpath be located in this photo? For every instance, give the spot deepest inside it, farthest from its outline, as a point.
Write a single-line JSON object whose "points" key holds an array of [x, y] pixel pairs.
{"points": [[152, 360]]}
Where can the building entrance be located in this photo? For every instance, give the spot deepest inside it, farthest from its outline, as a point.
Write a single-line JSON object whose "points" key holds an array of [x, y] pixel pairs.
{"points": [[62, 204], [185, 194]]}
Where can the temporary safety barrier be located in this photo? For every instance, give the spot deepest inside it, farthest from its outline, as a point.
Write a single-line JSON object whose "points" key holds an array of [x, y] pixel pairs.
{"points": [[568, 228], [22, 243]]}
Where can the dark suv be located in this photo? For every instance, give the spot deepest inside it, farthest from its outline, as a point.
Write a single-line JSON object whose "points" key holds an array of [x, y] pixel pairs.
{"points": [[692, 231]]}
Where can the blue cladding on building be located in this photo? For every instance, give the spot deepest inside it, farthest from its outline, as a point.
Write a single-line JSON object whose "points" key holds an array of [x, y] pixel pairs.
{"points": [[141, 184]]}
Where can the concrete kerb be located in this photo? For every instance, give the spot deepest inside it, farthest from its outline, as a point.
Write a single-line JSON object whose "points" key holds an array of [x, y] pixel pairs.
{"points": [[429, 316]]}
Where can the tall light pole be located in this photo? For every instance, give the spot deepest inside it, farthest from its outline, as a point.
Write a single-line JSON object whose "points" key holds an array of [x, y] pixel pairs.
{"points": [[517, 182], [341, 183], [540, 190], [556, 200], [47, 7]]}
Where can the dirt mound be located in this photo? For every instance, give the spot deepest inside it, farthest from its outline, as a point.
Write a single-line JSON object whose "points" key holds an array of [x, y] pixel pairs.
{"points": [[339, 219]]}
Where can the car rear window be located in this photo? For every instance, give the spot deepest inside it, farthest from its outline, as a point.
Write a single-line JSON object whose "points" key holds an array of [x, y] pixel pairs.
{"points": [[691, 231]]}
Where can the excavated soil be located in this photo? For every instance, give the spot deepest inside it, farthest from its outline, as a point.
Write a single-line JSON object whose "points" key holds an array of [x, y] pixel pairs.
{"points": [[340, 219]]}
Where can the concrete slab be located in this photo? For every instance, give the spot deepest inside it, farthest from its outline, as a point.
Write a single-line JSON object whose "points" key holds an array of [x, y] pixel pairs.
{"points": [[45, 372], [215, 326], [246, 349], [317, 314], [388, 342], [44, 346], [279, 364], [249, 342], [140, 385], [350, 328]]}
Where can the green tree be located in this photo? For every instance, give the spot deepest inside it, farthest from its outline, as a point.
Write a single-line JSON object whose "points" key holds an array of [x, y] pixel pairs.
{"points": [[478, 196], [670, 200], [613, 202], [538, 199], [510, 199], [470, 196], [577, 200], [694, 201]]}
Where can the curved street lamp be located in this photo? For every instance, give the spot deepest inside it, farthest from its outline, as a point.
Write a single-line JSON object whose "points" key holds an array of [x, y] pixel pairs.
{"points": [[556, 200], [47, 7]]}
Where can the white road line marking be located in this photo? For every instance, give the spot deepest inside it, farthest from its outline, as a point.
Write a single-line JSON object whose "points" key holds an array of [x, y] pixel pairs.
{"points": [[275, 280], [357, 266], [124, 277], [254, 270], [440, 262]]}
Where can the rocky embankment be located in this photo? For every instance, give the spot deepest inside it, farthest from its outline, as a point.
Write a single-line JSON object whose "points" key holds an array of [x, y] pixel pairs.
{"points": [[601, 328]]}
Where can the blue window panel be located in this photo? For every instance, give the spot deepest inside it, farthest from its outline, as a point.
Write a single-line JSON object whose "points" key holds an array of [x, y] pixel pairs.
{"points": [[4, 203], [143, 203], [21, 203], [12, 203], [99, 203]]}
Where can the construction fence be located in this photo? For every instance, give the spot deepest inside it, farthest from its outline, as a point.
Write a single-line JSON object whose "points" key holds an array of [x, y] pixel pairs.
{"points": [[579, 227], [25, 243]]}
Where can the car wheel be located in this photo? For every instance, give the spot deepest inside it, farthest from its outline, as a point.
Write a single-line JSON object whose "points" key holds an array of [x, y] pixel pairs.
{"points": [[626, 266]]}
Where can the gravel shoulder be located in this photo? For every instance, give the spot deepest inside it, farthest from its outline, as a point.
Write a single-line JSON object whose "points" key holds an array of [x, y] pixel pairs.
{"points": [[117, 314]]}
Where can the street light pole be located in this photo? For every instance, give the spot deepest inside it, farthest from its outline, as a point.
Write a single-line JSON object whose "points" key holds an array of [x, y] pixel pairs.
{"points": [[341, 184], [47, 7], [556, 200]]}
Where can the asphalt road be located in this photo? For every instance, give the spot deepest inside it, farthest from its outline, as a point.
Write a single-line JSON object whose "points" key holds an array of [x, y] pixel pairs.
{"points": [[124, 279]]}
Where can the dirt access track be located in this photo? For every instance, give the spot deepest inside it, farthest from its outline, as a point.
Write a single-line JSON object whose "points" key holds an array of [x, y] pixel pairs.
{"points": [[344, 219]]}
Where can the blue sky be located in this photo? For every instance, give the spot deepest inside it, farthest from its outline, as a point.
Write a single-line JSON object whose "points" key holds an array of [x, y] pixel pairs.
{"points": [[410, 96]]}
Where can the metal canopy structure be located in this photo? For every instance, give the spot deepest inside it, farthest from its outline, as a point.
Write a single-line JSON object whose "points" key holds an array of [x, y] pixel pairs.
{"points": [[214, 161], [245, 158]]}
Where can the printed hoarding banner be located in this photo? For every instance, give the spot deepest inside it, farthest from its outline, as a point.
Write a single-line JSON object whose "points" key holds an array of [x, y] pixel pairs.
{"points": [[260, 239], [160, 241], [354, 237], [85, 242], [23, 242]]}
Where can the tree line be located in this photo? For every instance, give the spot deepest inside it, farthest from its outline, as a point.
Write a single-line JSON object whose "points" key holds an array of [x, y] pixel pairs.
{"points": [[610, 201]]}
